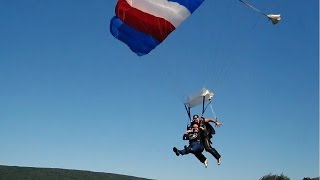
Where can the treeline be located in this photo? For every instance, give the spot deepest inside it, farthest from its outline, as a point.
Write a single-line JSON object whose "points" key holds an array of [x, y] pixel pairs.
{"points": [[283, 177], [32, 173]]}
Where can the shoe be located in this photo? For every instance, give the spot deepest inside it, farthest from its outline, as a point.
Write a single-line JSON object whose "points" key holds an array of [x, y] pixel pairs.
{"points": [[175, 150], [206, 163], [219, 161]]}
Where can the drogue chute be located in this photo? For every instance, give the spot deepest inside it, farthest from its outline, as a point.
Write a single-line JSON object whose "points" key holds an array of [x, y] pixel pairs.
{"points": [[274, 18]]}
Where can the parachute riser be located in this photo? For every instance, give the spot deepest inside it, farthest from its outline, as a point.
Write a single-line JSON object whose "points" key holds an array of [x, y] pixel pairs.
{"points": [[188, 111], [204, 108], [203, 97]]}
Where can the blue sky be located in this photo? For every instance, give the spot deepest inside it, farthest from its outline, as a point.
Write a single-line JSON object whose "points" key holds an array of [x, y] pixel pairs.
{"points": [[72, 96]]}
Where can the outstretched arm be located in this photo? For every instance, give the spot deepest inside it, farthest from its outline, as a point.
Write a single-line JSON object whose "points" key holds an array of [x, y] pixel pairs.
{"points": [[215, 121]]}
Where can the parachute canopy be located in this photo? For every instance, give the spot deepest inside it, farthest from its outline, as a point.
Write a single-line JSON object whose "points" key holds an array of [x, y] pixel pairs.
{"points": [[199, 98], [144, 24], [275, 18]]}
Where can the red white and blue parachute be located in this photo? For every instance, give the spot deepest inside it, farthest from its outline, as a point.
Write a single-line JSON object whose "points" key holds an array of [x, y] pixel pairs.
{"points": [[144, 24]]}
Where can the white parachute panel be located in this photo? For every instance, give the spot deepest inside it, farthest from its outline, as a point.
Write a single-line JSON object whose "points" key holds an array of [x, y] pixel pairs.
{"points": [[197, 99]]}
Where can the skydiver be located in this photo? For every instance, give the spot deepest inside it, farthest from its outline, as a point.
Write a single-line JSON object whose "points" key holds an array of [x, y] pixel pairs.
{"points": [[206, 135], [195, 147]]}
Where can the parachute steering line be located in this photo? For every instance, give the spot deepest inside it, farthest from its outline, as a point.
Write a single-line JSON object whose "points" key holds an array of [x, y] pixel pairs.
{"points": [[214, 114]]}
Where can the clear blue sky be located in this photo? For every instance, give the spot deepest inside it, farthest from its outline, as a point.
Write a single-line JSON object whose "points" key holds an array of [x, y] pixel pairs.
{"points": [[72, 96]]}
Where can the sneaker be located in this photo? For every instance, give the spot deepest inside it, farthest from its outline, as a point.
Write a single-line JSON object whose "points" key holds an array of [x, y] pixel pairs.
{"points": [[206, 163], [175, 150], [219, 161]]}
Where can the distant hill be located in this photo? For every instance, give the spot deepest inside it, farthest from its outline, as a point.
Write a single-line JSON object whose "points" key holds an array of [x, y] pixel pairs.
{"points": [[33, 173]]}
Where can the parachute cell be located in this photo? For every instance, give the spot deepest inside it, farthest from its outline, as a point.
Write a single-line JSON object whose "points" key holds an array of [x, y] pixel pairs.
{"points": [[144, 24]]}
